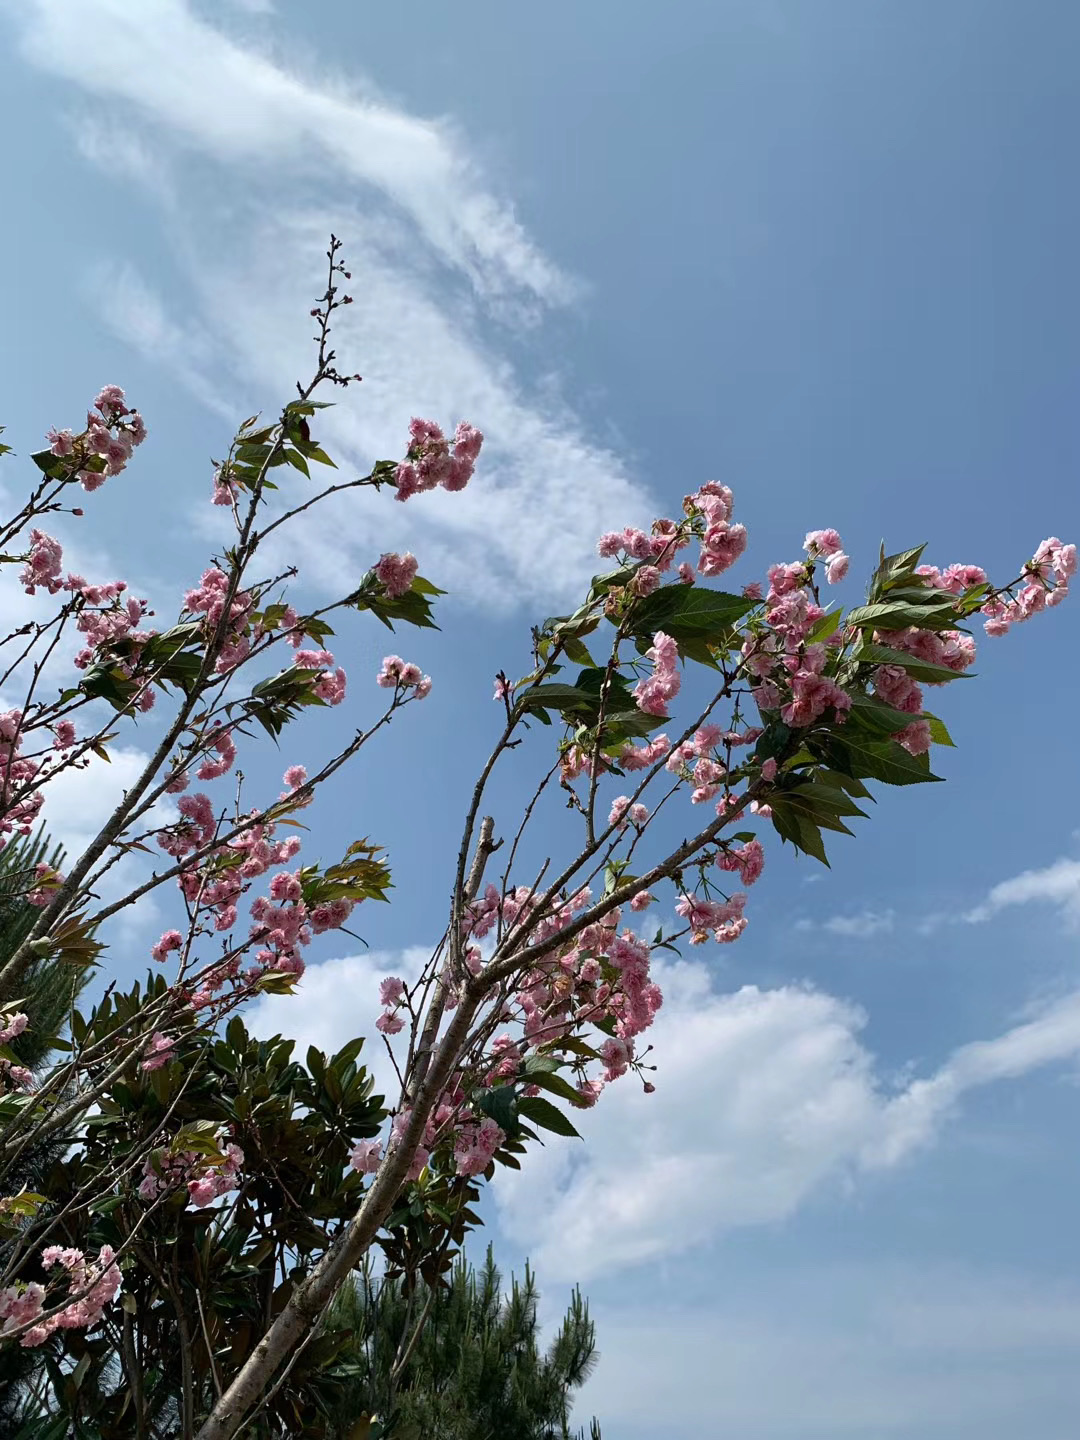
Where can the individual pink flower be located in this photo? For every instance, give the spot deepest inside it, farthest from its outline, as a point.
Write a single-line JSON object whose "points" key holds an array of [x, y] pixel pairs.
{"points": [[295, 776], [823, 542], [110, 401], [12, 1026], [161, 1050], [748, 860], [915, 737], [170, 941], [619, 806], [396, 573], [389, 1023], [366, 1156], [391, 990], [61, 442], [64, 734], [836, 567], [646, 580]]}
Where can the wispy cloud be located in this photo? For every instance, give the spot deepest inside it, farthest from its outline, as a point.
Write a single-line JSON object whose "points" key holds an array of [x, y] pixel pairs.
{"points": [[445, 279], [860, 926], [1058, 884]]}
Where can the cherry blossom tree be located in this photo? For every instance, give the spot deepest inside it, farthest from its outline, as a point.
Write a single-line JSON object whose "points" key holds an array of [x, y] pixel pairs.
{"points": [[662, 704]]}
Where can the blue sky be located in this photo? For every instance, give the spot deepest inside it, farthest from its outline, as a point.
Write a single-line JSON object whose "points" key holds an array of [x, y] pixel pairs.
{"points": [[824, 253]]}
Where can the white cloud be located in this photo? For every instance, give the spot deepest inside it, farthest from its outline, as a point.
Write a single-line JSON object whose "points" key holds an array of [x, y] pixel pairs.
{"points": [[77, 804], [860, 926], [1057, 884], [762, 1097], [336, 1001], [236, 104], [441, 269]]}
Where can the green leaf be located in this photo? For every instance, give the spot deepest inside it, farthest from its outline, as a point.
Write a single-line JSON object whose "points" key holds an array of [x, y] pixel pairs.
{"points": [[792, 825], [826, 626], [689, 610], [557, 1084], [895, 569], [883, 760], [576, 651], [556, 696], [916, 668], [501, 1104], [938, 733], [818, 796], [905, 614], [541, 1112], [872, 715]]}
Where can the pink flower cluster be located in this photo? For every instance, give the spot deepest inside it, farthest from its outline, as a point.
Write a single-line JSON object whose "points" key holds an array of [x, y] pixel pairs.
{"points": [[431, 462], [44, 563], [104, 447], [391, 997], [747, 860], [159, 1053], [282, 922], [827, 545], [624, 814], [642, 757], [396, 674], [170, 941], [12, 1025], [94, 1284], [724, 918], [722, 542], [330, 686], [19, 804], [209, 598], [1048, 574], [206, 1179], [658, 549], [654, 693], [18, 1077], [475, 1144], [221, 742]]}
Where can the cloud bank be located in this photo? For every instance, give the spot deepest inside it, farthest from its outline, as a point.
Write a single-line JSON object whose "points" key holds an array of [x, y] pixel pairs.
{"points": [[249, 163]]}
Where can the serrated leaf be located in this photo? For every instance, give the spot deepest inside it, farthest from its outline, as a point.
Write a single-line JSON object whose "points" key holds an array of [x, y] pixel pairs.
{"points": [[689, 610], [938, 733], [904, 615], [916, 668], [557, 1084], [883, 760], [549, 1117]]}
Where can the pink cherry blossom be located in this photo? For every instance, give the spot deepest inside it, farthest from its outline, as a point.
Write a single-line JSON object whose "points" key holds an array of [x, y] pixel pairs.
{"points": [[366, 1156], [396, 573]]}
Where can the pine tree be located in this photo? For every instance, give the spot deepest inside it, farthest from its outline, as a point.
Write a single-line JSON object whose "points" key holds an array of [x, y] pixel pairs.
{"points": [[45, 990], [459, 1363]]}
